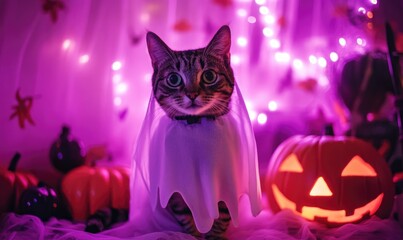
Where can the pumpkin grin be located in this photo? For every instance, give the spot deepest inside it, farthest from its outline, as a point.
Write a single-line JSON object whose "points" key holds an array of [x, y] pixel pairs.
{"points": [[333, 180], [336, 216]]}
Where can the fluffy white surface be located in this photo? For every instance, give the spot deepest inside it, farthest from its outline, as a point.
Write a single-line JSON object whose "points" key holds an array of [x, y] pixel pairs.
{"points": [[283, 225]]}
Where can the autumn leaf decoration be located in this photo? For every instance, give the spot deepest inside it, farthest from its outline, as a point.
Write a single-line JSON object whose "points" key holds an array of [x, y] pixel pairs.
{"points": [[22, 110]]}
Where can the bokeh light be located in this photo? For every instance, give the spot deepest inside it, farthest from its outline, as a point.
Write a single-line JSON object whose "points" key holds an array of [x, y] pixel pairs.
{"points": [[117, 65], [84, 59]]}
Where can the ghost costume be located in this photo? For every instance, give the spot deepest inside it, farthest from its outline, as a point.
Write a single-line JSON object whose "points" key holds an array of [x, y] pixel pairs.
{"points": [[206, 162]]}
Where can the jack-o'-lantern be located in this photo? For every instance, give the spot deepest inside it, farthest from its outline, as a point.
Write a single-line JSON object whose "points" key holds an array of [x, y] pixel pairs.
{"points": [[333, 180]]}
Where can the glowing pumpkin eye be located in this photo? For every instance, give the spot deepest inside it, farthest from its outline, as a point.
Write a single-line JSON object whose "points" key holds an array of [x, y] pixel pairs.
{"points": [[358, 167], [291, 164]]}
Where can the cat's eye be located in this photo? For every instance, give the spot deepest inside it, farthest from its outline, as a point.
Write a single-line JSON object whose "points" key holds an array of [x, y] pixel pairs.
{"points": [[209, 76], [174, 80]]}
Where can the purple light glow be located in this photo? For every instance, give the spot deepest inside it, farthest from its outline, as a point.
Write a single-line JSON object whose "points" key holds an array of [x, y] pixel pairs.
{"points": [[251, 19], [268, 32], [235, 59], [313, 59], [269, 19], [121, 88], [342, 42], [117, 65], [272, 106], [84, 59], [282, 57], [67, 44], [262, 118], [242, 41], [322, 62], [242, 12], [334, 56], [274, 43], [117, 101], [147, 77], [362, 10], [361, 42], [117, 78], [297, 64], [264, 10], [323, 81]]}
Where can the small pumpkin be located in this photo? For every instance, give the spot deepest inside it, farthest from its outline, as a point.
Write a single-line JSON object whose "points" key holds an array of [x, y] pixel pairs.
{"points": [[88, 189], [41, 201], [333, 180], [12, 184], [66, 153]]}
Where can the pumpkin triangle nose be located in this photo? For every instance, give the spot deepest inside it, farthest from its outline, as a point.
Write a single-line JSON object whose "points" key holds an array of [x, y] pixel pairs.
{"points": [[320, 188]]}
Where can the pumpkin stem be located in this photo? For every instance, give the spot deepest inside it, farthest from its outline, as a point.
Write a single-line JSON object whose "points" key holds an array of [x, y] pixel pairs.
{"points": [[14, 161], [65, 131], [329, 131]]}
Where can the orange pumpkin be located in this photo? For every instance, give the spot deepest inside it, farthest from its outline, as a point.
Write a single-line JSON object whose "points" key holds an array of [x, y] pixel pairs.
{"points": [[88, 189], [333, 180], [12, 184]]}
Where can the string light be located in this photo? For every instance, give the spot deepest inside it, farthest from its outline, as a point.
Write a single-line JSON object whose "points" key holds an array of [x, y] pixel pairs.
{"points": [[84, 59], [297, 63], [235, 59], [362, 10], [274, 43], [262, 118], [268, 32], [116, 65], [251, 19], [272, 106], [116, 78], [242, 12], [322, 62], [121, 88], [319, 60], [282, 57], [313, 59], [269, 19], [66, 44], [242, 41], [334, 56], [342, 42], [264, 10], [117, 101]]}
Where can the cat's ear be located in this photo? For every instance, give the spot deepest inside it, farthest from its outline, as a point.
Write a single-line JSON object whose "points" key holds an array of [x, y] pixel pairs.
{"points": [[157, 49], [221, 43]]}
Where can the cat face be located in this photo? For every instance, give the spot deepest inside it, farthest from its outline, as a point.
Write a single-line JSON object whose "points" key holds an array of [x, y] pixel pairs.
{"points": [[196, 82]]}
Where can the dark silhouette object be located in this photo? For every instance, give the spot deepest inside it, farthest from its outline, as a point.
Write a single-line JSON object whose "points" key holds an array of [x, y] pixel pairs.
{"points": [[66, 153]]}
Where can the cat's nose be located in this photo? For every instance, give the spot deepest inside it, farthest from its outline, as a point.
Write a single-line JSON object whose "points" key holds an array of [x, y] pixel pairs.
{"points": [[192, 95]]}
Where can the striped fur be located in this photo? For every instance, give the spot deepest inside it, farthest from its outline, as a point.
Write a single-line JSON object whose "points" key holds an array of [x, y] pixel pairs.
{"points": [[189, 85], [193, 96], [183, 215]]}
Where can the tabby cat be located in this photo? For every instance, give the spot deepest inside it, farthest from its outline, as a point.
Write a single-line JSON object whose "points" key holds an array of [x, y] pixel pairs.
{"points": [[191, 85]]}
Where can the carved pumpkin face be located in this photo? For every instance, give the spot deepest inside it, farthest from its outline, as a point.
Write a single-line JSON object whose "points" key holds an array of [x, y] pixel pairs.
{"points": [[334, 180]]}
